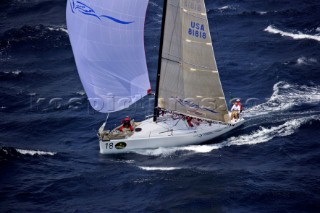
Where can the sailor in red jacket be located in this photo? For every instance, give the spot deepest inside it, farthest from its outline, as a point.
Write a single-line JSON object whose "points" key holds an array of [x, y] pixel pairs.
{"points": [[189, 121], [126, 124]]}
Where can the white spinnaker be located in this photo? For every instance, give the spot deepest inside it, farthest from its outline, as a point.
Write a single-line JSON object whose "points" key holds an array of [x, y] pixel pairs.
{"points": [[107, 39]]}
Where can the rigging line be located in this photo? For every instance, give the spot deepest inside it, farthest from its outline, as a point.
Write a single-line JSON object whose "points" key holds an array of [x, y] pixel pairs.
{"points": [[168, 55], [135, 110], [107, 117], [178, 62], [191, 64], [181, 73], [177, 122], [106, 121]]}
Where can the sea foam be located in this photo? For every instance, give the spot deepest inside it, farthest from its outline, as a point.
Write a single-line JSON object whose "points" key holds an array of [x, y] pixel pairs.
{"points": [[284, 97], [306, 61], [266, 134], [296, 36], [35, 152], [159, 168], [61, 29]]}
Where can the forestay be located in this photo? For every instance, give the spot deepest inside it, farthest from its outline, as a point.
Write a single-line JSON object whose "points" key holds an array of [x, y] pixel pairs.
{"points": [[107, 39], [189, 78]]}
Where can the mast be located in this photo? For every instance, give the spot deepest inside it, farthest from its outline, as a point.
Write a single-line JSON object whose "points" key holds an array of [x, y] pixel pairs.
{"points": [[155, 112]]}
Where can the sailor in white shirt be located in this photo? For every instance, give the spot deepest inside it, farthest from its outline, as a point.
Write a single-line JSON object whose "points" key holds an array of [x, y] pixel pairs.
{"points": [[235, 111]]}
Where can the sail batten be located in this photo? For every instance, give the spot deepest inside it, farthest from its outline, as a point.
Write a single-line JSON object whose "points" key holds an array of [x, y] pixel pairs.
{"points": [[107, 39], [190, 83]]}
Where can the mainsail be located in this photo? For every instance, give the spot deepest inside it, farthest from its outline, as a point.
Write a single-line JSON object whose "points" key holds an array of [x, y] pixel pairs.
{"points": [[189, 78], [107, 39]]}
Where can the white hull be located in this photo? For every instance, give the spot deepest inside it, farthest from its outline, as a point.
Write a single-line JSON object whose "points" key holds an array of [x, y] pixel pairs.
{"points": [[166, 133]]}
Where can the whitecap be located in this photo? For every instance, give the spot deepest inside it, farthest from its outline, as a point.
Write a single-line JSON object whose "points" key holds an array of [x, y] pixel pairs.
{"points": [[159, 168], [262, 12], [168, 151], [61, 29], [284, 97], [161, 151], [299, 35], [17, 72], [154, 4], [35, 152], [266, 134], [224, 7], [306, 61], [200, 148], [227, 7], [82, 93]]}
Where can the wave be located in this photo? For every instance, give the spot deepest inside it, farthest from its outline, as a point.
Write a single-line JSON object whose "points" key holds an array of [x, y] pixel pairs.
{"points": [[262, 12], [58, 29], [306, 61], [161, 151], [266, 134], [261, 135], [10, 153], [154, 4], [35, 152], [26, 36], [11, 73], [222, 9], [82, 93], [168, 151], [227, 7], [237, 10], [296, 36], [159, 168], [284, 97]]}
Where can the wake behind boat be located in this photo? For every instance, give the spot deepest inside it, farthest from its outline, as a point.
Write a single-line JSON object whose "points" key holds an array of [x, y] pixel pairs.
{"points": [[190, 106]]}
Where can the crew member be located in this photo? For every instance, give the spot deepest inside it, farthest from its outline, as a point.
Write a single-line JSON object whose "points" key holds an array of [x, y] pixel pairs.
{"points": [[126, 124], [235, 111], [239, 103], [189, 121]]}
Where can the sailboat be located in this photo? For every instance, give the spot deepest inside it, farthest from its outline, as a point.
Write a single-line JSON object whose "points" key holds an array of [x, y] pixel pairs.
{"points": [[107, 39]]}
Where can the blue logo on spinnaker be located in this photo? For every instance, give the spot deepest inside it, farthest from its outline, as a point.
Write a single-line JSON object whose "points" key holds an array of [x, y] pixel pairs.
{"points": [[86, 10]]}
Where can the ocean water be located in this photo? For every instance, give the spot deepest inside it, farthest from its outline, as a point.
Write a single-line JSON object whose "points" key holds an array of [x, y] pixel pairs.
{"points": [[268, 54]]}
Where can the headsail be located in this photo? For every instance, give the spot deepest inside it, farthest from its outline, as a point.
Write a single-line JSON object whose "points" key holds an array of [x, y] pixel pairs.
{"points": [[107, 39], [189, 79]]}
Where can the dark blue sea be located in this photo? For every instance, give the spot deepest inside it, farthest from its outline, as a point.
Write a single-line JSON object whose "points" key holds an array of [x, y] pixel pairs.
{"points": [[268, 54]]}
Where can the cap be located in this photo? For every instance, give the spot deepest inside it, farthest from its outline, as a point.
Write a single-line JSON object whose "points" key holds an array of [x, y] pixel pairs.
{"points": [[238, 100]]}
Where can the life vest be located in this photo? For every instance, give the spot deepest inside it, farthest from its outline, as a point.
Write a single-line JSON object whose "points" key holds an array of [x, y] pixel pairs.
{"points": [[241, 107], [189, 119], [126, 124]]}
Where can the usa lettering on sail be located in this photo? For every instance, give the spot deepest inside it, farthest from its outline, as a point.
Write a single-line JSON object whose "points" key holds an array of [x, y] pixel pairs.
{"points": [[197, 30]]}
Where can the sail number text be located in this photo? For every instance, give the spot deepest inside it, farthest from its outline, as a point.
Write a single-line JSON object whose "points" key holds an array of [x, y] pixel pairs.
{"points": [[197, 30], [109, 145]]}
